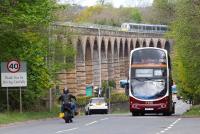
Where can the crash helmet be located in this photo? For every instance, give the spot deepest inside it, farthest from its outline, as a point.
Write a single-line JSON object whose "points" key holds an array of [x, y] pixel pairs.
{"points": [[65, 91]]}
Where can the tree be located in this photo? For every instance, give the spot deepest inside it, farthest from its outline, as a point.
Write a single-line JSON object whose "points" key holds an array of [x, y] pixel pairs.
{"points": [[67, 12], [163, 11], [186, 31], [24, 36], [102, 2], [130, 15], [107, 15]]}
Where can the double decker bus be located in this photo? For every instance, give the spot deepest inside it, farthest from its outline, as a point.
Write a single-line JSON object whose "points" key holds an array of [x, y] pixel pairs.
{"points": [[150, 82]]}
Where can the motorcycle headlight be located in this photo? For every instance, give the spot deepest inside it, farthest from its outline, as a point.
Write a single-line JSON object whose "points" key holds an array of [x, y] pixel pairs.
{"points": [[91, 104]]}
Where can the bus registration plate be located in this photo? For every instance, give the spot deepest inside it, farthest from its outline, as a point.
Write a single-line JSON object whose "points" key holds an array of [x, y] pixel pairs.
{"points": [[149, 109]]}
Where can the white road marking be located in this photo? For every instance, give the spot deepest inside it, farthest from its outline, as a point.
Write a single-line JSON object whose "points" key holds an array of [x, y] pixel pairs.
{"points": [[67, 130], [104, 119], [166, 129], [170, 126], [90, 123]]}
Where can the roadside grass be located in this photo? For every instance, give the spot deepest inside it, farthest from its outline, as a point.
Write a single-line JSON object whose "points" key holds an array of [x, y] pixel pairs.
{"points": [[119, 111], [12, 117], [194, 111]]}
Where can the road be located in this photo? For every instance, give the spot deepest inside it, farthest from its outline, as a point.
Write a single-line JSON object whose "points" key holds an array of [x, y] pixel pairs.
{"points": [[111, 124]]}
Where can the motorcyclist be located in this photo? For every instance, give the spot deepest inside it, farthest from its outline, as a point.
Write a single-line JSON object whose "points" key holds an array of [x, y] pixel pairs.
{"points": [[67, 99]]}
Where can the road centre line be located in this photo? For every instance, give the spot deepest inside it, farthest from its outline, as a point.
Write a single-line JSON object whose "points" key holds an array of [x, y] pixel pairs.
{"points": [[96, 121], [166, 129], [67, 130], [91, 123], [104, 119], [169, 127]]}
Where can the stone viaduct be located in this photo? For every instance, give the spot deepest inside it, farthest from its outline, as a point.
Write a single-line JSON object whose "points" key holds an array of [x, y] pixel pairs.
{"points": [[102, 54]]}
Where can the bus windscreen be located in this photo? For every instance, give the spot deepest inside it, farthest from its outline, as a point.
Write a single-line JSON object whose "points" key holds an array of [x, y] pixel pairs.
{"points": [[144, 88]]}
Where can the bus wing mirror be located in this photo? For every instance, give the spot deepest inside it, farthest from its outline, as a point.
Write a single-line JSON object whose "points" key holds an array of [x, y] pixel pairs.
{"points": [[123, 83], [127, 89]]}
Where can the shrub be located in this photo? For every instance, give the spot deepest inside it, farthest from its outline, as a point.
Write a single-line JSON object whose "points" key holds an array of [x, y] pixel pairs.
{"points": [[118, 98], [115, 98], [83, 100]]}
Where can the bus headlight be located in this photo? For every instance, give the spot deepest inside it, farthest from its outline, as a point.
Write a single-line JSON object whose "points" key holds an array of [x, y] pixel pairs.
{"points": [[163, 105]]}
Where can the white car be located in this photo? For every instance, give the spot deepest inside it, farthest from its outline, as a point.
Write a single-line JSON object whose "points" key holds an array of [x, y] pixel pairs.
{"points": [[96, 105]]}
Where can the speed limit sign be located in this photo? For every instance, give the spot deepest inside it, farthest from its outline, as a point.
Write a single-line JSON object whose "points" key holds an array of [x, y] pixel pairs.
{"points": [[13, 66]]}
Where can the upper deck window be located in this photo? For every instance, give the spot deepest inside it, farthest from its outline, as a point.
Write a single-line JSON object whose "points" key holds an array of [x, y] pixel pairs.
{"points": [[148, 56]]}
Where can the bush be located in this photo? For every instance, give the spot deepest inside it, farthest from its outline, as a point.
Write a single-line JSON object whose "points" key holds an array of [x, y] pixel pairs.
{"points": [[115, 98], [118, 98], [194, 111], [83, 100]]}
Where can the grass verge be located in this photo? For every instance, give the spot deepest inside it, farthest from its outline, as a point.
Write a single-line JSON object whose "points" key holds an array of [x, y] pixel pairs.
{"points": [[12, 117], [193, 112]]}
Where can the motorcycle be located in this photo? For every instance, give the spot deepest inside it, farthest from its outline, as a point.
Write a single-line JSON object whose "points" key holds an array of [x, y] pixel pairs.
{"points": [[68, 113], [69, 110]]}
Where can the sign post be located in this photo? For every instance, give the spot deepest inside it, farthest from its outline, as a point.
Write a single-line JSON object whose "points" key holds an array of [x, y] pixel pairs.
{"points": [[20, 96], [7, 99], [13, 74]]}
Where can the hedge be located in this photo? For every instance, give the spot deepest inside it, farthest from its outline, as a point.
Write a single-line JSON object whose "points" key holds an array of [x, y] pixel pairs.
{"points": [[118, 98], [115, 98]]}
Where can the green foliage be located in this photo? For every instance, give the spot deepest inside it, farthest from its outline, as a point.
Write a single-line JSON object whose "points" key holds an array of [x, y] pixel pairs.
{"points": [[193, 112], [163, 11], [186, 31], [115, 98], [67, 12], [107, 84], [83, 100], [136, 16], [89, 12], [20, 13], [129, 15], [118, 98], [27, 47], [24, 36], [12, 117], [108, 15]]}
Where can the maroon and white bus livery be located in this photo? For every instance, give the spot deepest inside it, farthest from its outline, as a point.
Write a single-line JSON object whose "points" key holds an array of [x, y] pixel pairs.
{"points": [[150, 82]]}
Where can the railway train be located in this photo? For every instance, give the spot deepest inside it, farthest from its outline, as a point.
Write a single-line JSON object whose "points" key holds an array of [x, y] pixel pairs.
{"points": [[144, 28]]}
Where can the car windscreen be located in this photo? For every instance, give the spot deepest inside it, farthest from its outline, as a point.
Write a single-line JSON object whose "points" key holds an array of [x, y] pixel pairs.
{"points": [[97, 100]]}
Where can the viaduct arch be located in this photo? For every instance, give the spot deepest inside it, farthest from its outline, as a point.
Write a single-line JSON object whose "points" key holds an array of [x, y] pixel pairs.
{"points": [[104, 56]]}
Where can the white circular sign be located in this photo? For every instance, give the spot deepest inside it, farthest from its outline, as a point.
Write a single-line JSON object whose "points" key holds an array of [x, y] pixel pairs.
{"points": [[13, 66]]}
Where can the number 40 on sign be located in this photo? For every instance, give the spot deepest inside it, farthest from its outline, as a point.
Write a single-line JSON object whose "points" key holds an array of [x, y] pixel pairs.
{"points": [[13, 66]]}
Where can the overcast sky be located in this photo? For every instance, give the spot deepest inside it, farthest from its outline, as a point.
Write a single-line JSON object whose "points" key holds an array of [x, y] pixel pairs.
{"points": [[116, 3]]}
